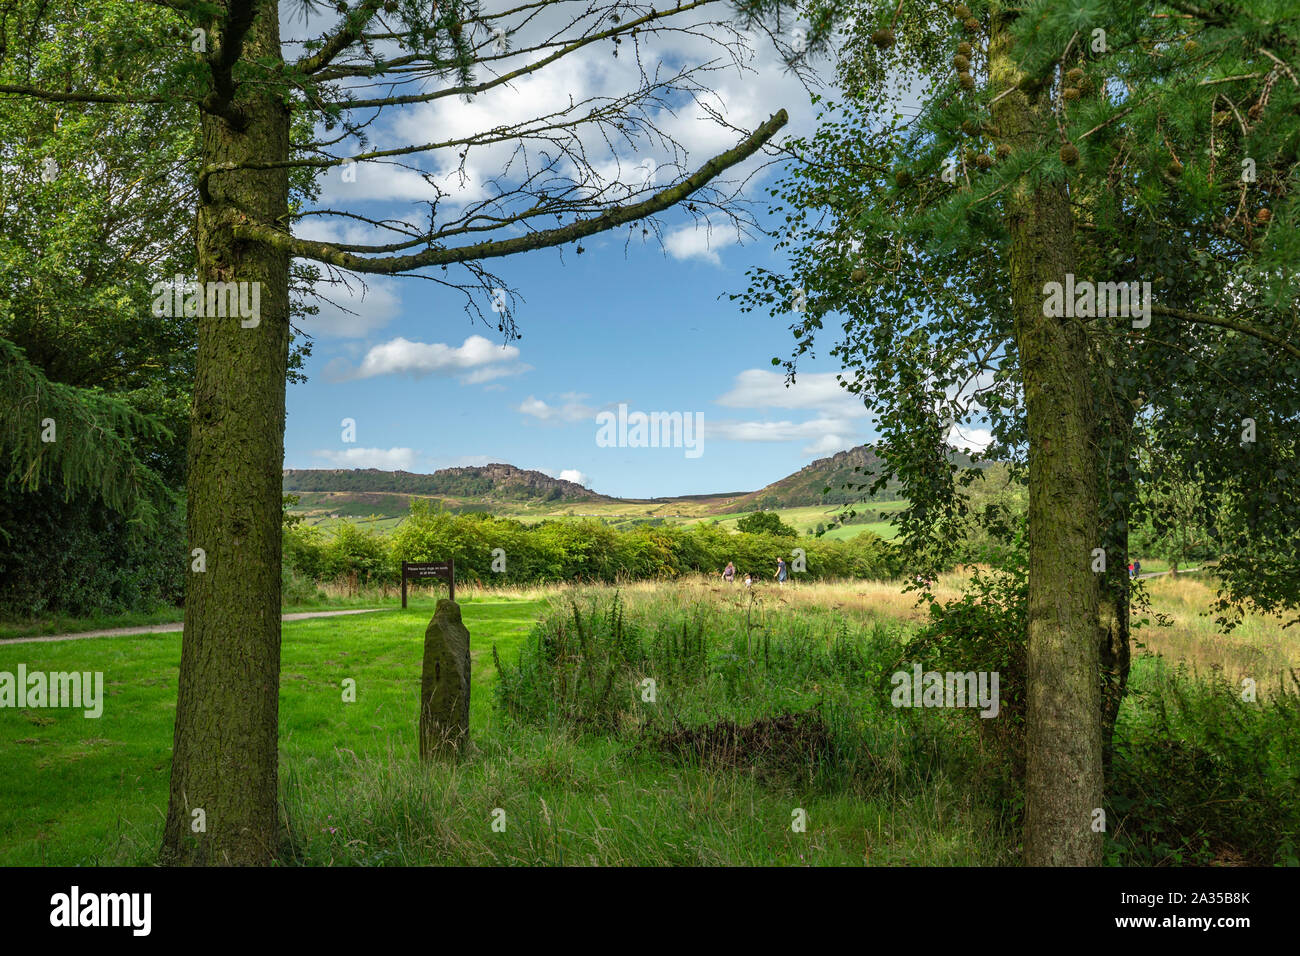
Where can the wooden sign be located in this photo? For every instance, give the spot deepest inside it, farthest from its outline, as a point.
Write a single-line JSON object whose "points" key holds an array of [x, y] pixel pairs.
{"points": [[419, 570]]}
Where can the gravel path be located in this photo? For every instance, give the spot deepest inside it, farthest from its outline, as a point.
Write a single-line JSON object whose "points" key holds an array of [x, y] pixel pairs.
{"points": [[165, 628]]}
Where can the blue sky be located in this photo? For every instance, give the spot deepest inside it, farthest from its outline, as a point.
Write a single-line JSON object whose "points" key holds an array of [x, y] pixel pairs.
{"points": [[645, 326]]}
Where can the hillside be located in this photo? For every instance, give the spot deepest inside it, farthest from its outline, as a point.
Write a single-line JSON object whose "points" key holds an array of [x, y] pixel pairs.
{"points": [[805, 487], [495, 481], [506, 489], [838, 480]]}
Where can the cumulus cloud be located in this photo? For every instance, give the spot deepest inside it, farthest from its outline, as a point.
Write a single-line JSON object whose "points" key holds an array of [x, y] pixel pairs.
{"points": [[835, 425], [969, 440], [474, 361], [742, 97], [699, 241], [575, 476], [387, 459], [816, 430], [827, 444], [570, 411], [819, 391], [352, 312]]}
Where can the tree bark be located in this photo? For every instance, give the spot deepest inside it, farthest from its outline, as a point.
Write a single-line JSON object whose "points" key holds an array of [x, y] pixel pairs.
{"points": [[1114, 648], [1115, 652], [1063, 774], [224, 759]]}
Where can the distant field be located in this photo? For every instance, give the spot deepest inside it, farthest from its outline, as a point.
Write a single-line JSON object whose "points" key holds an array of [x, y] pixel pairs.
{"points": [[384, 512]]}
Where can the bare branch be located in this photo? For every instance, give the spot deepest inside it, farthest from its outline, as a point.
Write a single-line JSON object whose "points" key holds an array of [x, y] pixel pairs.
{"points": [[611, 218]]}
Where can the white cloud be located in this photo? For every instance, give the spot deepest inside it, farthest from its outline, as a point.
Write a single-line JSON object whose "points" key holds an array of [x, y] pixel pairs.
{"points": [[698, 241], [381, 180], [820, 391], [575, 476], [744, 94], [817, 429], [387, 459], [473, 361], [969, 439], [837, 414], [488, 373], [570, 411], [353, 312], [827, 445], [535, 407]]}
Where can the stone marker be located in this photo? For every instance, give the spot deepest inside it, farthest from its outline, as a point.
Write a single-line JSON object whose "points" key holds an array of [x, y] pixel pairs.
{"points": [[444, 686]]}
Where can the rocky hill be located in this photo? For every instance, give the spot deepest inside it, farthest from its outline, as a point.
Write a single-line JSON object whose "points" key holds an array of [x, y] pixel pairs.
{"points": [[495, 481]]}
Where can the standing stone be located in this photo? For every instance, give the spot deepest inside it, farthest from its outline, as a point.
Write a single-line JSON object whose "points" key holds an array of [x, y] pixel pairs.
{"points": [[444, 687]]}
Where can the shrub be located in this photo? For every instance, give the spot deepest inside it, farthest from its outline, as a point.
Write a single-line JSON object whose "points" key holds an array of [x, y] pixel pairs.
{"points": [[78, 557], [1200, 775], [765, 522], [355, 550]]}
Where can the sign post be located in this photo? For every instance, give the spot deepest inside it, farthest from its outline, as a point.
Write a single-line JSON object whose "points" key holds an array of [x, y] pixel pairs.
{"points": [[429, 569]]}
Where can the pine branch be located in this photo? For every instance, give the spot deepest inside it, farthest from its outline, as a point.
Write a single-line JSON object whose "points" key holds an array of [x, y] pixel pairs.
{"points": [[354, 25], [81, 439]]}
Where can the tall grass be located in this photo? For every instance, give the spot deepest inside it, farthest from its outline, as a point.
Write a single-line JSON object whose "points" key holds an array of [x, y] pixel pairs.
{"points": [[1202, 775]]}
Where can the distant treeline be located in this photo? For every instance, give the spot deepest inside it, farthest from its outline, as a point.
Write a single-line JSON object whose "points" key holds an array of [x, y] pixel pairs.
{"points": [[566, 550]]}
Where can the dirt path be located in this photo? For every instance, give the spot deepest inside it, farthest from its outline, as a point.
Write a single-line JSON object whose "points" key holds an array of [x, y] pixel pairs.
{"points": [[1160, 574], [164, 628]]}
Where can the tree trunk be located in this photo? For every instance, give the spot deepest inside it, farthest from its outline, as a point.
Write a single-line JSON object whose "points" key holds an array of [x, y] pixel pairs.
{"points": [[1063, 773], [224, 759], [1115, 653]]}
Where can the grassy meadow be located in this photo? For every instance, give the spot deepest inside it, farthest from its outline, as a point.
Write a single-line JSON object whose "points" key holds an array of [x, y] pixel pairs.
{"points": [[769, 703], [383, 513]]}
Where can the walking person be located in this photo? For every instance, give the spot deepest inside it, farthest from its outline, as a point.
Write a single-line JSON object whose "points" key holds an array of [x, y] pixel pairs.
{"points": [[780, 572], [729, 573]]}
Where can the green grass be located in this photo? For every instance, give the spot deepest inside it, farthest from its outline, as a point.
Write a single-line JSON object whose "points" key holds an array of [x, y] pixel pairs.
{"points": [[64, 624], [317, 509], [582, 780], [82, 791], [93, 793]]}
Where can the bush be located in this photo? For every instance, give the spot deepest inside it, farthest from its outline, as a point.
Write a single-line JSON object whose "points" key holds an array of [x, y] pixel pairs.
{"points": [[355, 550], [588, 550], [1200, 775], [986, 629], [80, 558], [765, 522]]}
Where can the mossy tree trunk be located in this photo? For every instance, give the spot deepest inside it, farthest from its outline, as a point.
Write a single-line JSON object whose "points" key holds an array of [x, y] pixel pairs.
{"points": [[1114, 648], [224, 760], [1063, 774]]}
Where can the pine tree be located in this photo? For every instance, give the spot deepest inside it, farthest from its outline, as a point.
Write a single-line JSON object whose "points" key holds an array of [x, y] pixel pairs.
{"points": [[1059, 139]]}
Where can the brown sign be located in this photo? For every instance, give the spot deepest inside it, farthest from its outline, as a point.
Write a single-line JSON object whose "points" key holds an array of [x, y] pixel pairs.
{"points": [[419, 570]]}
